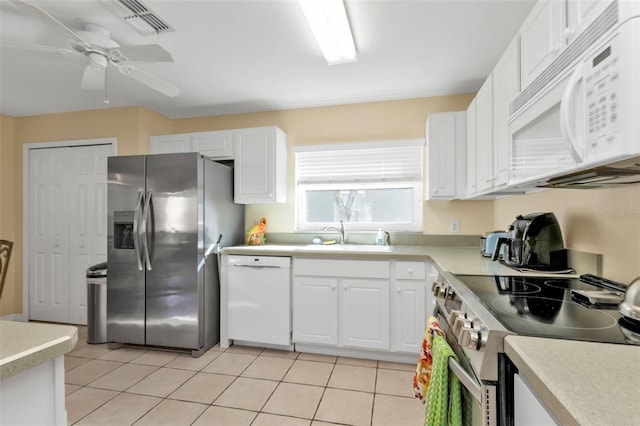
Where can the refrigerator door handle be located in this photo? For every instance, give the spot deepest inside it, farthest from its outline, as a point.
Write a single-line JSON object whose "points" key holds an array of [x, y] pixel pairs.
{"points": [[136, 236], [145, 239]]}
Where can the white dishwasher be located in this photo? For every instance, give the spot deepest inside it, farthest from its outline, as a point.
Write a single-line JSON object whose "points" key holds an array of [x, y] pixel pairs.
{"points": [[259, 299]]}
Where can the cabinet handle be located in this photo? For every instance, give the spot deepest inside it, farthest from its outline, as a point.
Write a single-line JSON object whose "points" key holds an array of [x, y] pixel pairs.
{"points": [[333, 286], [398, 289], [346, 287], [410, 271]]}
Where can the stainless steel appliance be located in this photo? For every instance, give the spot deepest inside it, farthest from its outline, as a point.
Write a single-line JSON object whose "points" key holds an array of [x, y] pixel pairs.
{"points": [[477, 312], [533, 241], [167, 216], [489, 242]]}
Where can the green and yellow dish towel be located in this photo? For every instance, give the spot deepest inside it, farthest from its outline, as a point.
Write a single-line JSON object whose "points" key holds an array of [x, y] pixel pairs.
{"points": [[443, 404]]}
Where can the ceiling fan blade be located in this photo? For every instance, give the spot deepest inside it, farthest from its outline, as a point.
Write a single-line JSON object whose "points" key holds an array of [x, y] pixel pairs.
{"points": [[150, 81], [93, 78], [142, 53], [50, 20], [39, 48]]}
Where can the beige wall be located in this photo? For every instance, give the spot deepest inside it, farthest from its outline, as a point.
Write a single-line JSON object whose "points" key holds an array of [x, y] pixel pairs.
{"points": [[605, 222], [595, 221], [391, 120], [132, 126], [11, 294]]}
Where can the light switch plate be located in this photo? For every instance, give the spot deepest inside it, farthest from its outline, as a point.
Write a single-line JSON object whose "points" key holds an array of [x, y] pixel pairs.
{"points": [[454, 226]]}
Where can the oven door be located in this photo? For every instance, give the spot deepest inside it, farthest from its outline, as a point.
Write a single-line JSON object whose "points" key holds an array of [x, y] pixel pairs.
{"points": [[483, 395]]}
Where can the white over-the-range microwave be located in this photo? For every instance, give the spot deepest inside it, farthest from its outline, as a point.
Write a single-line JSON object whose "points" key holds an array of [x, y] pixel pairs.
{"points": [[578, 123]]}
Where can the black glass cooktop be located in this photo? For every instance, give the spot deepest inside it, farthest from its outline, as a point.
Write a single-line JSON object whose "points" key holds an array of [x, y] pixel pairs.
{"points": [[547, 307]]}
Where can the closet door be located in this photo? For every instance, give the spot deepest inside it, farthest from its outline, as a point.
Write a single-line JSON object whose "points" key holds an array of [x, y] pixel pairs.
{"points": [[88, 216], [48, 227], [66, 229]]}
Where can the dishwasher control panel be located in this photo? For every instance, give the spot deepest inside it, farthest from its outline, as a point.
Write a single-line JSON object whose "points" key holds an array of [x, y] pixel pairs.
{"points": [[260, 261]]}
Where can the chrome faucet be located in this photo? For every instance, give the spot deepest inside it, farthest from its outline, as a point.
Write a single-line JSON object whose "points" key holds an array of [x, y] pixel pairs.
{"points": [[340, 231]]}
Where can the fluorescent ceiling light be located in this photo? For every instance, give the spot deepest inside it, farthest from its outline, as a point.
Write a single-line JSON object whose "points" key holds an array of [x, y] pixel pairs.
{"points": [[329, 24]]}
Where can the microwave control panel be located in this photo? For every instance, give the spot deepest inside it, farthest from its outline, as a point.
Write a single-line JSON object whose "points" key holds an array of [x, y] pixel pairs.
{"points": [[602, 83]]}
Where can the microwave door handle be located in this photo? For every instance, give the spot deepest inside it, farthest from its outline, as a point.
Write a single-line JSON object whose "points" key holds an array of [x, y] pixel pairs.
{"points": [[145, 240], [136, 236], [576, 149]]}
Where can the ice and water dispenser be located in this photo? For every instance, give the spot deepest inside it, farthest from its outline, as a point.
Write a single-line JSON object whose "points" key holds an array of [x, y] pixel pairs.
{"points": [[123, 230]]}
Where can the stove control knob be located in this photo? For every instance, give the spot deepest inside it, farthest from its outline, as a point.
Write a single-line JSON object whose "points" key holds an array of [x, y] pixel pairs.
{"points": [[470, 338], [460, 325], [454, 315], [439, 290], [451, 294]]}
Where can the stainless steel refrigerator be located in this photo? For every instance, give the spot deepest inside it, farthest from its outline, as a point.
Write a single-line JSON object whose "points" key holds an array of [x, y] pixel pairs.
{"points": [[166, 214]]}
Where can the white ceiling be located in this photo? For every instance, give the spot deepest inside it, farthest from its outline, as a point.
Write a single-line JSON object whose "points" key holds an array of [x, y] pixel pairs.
{"points": [[234, 56]]}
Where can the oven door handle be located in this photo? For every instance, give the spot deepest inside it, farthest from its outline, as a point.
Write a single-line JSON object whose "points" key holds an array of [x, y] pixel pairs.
{"points": [[466, 380]]}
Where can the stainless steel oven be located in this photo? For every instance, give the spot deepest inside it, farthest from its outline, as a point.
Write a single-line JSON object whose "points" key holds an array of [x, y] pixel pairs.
{"points": [[476, 313]]}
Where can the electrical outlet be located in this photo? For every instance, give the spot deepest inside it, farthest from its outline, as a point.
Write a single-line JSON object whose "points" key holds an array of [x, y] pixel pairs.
{"points": [[454, 226]]}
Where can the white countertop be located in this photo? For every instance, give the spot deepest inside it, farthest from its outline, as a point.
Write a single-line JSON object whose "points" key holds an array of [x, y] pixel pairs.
{"points": [[585, 383], [24, 345], [453, 259]]}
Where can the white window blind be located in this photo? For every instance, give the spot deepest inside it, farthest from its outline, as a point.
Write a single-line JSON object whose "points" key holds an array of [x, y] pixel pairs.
{"points": [[398, 163]]}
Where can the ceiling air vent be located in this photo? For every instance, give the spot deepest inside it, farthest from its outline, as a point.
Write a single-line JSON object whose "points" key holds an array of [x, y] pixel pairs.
{"points": [[139, 15]]}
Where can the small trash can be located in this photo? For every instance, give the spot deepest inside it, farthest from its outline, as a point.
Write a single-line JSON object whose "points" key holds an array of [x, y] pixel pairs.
{"points": [[97, 303]]}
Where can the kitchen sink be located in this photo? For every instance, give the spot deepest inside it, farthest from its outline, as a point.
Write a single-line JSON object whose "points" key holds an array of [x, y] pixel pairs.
{"points": [[365, 248]]}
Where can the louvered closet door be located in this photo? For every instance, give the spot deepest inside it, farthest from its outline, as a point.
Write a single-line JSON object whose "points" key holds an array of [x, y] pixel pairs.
{"points": [[67, 228]]}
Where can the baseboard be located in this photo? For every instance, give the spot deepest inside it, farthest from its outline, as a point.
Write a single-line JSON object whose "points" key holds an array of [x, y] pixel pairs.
{"points": [[13, 317]]}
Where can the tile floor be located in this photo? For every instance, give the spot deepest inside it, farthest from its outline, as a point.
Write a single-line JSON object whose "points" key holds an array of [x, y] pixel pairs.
{"points": [[236, 386]]}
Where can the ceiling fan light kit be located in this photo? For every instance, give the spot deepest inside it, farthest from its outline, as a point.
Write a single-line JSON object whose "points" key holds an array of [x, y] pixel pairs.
{"points": [[96, 44], [330, 26]]}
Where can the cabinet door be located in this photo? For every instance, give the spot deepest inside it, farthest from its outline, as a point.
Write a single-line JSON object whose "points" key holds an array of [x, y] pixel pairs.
{"points": [[506, 86], [169, 144], [441, 151], [260, 165], [218, 145], [410, 316], [365, 313], [527, 409], [541, 38], [581, 13], [472, 186], [315, 310], [484, 136]]}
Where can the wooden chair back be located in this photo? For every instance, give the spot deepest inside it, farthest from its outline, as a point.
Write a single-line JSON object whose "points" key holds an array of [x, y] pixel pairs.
{"points": [[5, 254]]}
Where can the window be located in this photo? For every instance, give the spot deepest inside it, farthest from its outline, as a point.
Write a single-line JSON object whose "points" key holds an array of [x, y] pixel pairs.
{"points": [[368, 186]]}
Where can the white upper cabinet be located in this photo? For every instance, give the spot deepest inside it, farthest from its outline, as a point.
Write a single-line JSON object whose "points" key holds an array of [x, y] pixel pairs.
{"points": [[170, 144], [260, 172], [217, 145], [446, 155], [259, 154], [484, 136], [506, 86], [541, 38], [581, 13], [472, 186]]}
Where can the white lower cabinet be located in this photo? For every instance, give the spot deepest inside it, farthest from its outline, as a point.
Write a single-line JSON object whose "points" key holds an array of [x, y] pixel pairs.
{"points": [[315, 310], [365, 313], [360, 304], [527, 408], [341, 302], [409, 298]]}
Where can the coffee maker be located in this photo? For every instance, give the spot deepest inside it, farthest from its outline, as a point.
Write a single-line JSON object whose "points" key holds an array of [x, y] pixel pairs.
{"points": [[533, 241]]}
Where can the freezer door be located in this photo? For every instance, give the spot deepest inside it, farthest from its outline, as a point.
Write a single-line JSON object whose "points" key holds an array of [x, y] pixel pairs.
{"points": [[172, 228], [125, 274]]}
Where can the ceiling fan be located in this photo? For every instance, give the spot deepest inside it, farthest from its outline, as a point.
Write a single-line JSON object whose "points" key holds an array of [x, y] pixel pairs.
{"points": [[96, 44]]}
